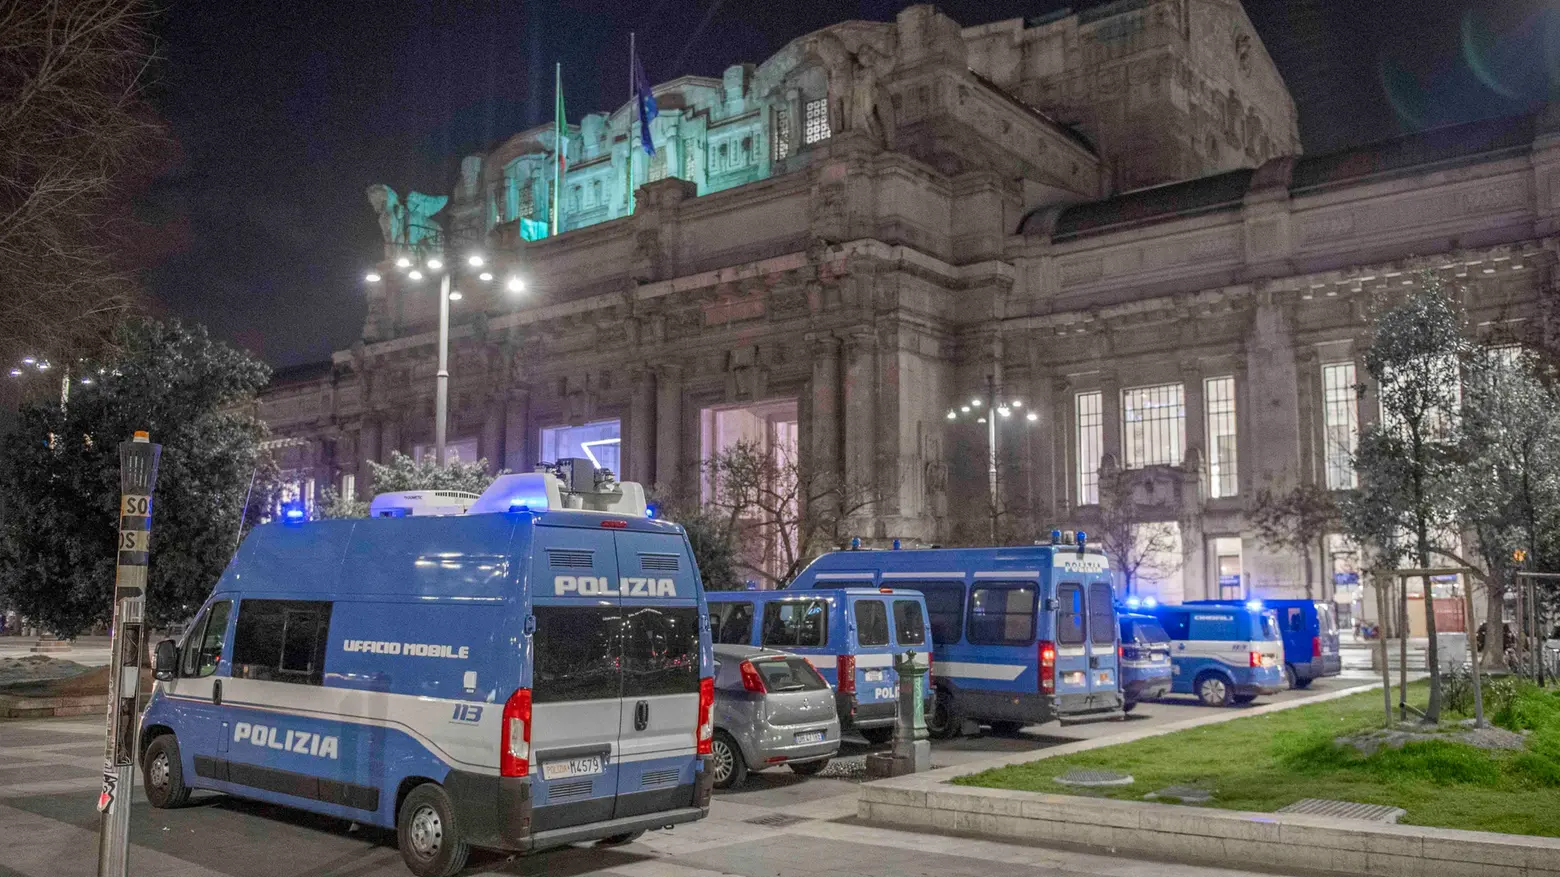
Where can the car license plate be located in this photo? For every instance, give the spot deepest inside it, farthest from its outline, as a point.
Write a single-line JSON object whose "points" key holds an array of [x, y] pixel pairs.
{"points": [[874, 675], [809, 737], [574, 767]]}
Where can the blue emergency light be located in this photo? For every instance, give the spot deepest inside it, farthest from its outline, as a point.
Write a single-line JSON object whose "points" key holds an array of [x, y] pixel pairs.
{"points": [[1254, 605], [294, 512]]}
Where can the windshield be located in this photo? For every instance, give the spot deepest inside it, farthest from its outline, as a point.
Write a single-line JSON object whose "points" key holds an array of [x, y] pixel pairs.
{"points": [[1147, 632], [789, 674]]}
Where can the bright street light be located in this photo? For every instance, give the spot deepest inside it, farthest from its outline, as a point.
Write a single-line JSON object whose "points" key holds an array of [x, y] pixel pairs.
{"points": [[403, 262], [373, 277], [515, 284], [485, 276], [454, 295], [415, 274], [474, 261], [435, 263], [1032, 417], [16, 372], [29, 360], [43, 366]]}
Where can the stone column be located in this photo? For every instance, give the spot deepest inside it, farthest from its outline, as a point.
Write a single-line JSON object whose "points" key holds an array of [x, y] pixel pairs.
{"points": [[824, 398], [1110, 416], [367, 450], [389, 439], [638, 455], [517, 431], [668, 425], [1194, 395], [860, 409], [491, 441]]}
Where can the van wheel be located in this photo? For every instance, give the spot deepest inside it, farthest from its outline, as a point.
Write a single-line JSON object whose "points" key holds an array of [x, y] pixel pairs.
{"points": [[1006, 728], [430, 840], [942, 724], [1290, 679], [726, 760], [162, 774], [809, 768], [1301, 684], [1213, 689], [876, 736], [618, 840], [1129, 706]]}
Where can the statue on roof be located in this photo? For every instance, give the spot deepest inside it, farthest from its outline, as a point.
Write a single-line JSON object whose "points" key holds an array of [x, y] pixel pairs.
{"points": [[409, 223]]}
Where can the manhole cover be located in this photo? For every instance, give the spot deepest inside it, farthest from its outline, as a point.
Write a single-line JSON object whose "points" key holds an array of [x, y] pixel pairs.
{"points": [[1345, 810], [776, 820], [1094, 778], [1184, 794]]}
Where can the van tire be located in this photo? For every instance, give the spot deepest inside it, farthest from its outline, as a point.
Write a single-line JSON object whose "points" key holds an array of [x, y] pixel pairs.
{"points": [[162, 774], [876, 736], [1291, 680], [428, 835], [1213, 689], [1129, 706], [1301, 684], [943, 723], [727, 758]]}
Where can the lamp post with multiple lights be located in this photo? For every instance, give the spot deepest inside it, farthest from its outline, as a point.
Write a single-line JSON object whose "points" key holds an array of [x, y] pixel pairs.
{"points": [[988, 410], [27, 366], [431, 261]]}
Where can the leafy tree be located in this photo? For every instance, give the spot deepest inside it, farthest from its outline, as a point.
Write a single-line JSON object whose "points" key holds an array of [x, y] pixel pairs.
{"points": [[1134, 547], [406, 473], [1410, 463], [59, 477], [1297, 522]]}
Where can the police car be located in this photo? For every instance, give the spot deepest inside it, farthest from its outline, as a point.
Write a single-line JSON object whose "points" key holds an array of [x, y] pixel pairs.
{"points": [[532, 673]]}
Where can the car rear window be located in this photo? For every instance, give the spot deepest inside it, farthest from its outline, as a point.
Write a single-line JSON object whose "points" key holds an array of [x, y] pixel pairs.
{"points": [[796, 623], [577, 653], [909, 623], [1146, 632], [789, 674], [871, 622], [660, 651]]}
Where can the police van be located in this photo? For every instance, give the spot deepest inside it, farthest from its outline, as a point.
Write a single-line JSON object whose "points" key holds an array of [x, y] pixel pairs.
{"points": [[1223, 652], [850, 635], [532, 673], [1019, 635]]}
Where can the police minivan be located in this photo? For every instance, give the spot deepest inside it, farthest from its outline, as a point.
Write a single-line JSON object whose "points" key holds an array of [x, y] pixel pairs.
{"points": [[850, 635], [529, 674], [1223, 652], [1019, 635]]}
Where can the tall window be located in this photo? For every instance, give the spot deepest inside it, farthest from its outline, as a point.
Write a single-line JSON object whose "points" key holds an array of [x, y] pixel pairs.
{"points": [[1340, 421], [815, 121], [1091, 442], [782, 133], [525, 201], [599, 442], [657, 170], [1153, 425], [349, 486], [1219, 395]]}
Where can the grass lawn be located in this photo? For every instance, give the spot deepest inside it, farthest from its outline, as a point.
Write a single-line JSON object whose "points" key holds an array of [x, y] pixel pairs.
{"points": [[1266, 762]]}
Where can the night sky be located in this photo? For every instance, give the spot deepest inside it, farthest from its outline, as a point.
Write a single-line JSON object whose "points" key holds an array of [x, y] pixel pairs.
{"points": [[284, 112]]}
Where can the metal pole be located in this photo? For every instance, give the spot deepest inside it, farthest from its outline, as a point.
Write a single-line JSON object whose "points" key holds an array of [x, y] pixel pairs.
{"points": [[991, 449], [1473, 652], [137, 479], [441, 397]]}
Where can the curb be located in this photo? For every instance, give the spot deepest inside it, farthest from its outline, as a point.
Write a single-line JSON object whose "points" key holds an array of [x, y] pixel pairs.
{"points": [[17, 707]]}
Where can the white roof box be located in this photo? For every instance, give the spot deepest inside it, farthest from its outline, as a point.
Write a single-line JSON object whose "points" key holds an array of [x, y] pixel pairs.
{"points": [[419, 503], [542, 491]]}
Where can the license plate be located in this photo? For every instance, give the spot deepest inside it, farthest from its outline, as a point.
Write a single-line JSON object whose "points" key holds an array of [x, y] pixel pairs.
{"points": [[874, 675], [574, 767], [809, 737]]}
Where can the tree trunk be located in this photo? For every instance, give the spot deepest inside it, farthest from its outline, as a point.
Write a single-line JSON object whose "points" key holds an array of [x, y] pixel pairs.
{"points": [[1310, 562], [1432, 652], [1493, 653]]}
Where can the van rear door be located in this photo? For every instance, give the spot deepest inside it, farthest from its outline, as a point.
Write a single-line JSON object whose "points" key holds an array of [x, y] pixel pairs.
{"points": [[576, 676], [658, 716]]}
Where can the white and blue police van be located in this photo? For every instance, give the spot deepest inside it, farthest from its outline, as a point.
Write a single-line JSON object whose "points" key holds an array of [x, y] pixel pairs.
{"points": [[1020, 635], [534, 672], [1223, 652]]}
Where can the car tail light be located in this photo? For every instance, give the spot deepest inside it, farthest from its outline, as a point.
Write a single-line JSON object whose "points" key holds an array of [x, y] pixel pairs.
{"points": [[514, 750], [1256, 659], [845, 671], [1316, 647], [706, 715], [1047, 667], [751, 680]]}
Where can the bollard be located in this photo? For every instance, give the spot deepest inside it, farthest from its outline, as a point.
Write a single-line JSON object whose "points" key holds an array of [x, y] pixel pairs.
{"points": [[911, 752]]}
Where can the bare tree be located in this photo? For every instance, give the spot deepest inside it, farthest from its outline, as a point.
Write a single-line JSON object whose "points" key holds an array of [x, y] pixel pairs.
{"points": [[1296, 522], [72, 128], [1134, 547], [780, 513]]}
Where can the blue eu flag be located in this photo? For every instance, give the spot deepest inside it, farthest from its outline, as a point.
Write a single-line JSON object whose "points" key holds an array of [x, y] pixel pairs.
{"points": [[647, 108]]}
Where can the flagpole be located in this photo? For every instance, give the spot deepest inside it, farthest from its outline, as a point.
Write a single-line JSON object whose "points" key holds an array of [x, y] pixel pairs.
{"points": [[633, 114], [557, 142]]}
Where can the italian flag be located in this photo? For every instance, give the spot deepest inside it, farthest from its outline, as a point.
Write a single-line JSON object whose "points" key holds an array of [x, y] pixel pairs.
{"points": [[560, 142]]}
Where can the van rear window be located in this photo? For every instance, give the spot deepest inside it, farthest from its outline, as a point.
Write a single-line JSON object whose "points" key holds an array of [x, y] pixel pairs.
{"points": [[1069, 615], [576, 653], [909, 623], [1102, 614], [871, 622], [660, 651], [796, 623]]}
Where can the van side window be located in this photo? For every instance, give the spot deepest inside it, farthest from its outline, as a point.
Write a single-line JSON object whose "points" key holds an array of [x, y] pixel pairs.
{"points": [[281, 640], [1296, 620], [732, 623], [909, 623], [1175, 624], [1102, 614], [575, 653], [203, 648], [945, 605], [660, 651], [871, 623], [795, 623], [1002, 614], [1069, 614]]}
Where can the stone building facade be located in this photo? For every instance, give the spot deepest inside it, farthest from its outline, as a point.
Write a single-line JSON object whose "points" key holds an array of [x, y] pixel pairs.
{"points": [[1105, 213]]}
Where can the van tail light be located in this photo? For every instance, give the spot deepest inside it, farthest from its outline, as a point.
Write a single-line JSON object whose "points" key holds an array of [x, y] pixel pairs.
{"points": [[514, 751], [1256, 659], [751, 680], [706, 715], [930, 667], [1121, 651], [1047, 667], [1316, 647], [845, 671]]}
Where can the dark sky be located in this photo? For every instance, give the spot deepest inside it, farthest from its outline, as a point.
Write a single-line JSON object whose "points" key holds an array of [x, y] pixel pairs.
{"points": [[285, 111]]}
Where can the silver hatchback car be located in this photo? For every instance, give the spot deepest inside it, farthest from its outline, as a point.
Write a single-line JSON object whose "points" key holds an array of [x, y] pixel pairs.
{"points": [[771, 708]]}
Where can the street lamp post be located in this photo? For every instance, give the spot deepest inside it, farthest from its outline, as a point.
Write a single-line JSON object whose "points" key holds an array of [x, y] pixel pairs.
{"points": [[988, 411], [441, 392]]}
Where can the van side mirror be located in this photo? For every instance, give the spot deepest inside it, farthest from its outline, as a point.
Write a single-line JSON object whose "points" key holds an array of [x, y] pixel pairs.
{"points": [[165, 660]]}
